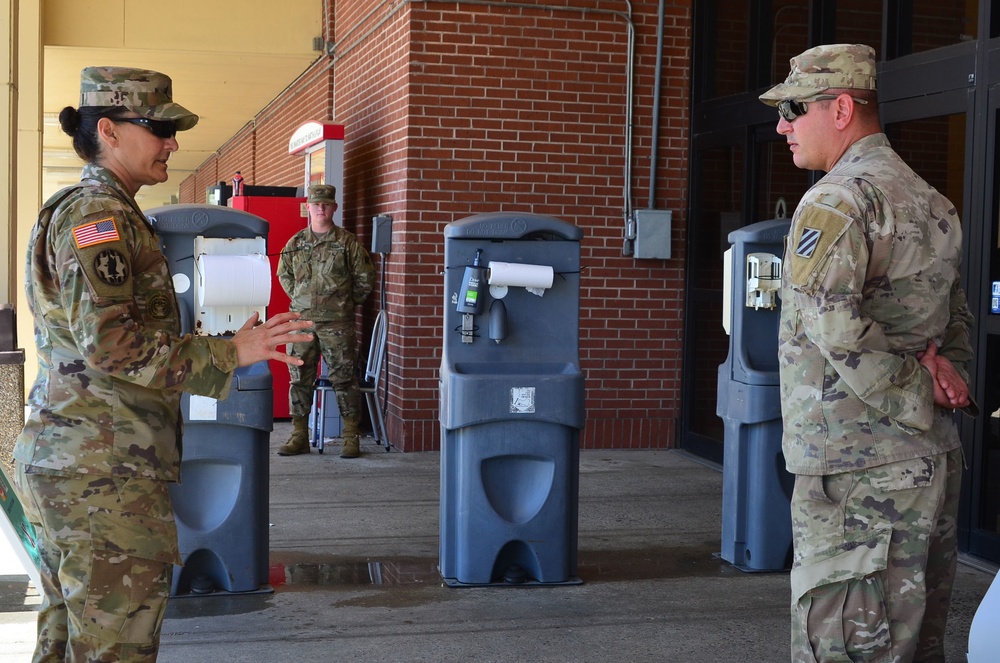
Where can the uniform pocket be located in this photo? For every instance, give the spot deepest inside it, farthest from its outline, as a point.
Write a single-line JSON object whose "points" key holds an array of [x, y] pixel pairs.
{"points": [[131, 568], [902, 475], [848, 621], [840, 601]]}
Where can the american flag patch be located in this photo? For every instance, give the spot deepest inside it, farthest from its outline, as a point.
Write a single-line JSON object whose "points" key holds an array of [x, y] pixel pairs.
{"points": [[807, 242], [96, 232]]}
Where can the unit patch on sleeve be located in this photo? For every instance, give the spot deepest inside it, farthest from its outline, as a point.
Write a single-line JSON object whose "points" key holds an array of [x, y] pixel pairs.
{"points": [[821, 229], [96, 232], [808, 242], [111, 267]]}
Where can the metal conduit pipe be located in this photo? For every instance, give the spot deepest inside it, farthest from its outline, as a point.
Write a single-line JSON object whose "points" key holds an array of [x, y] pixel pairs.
{"points": [[657, 80]]}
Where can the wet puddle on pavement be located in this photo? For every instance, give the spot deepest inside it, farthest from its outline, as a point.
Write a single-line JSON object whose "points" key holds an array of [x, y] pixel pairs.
{"points": [[407, 577], [302, 573]]}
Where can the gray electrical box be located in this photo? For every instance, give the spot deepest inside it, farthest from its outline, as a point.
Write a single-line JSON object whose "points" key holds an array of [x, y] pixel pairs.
{"points": [[652, 233], [381, 233]]}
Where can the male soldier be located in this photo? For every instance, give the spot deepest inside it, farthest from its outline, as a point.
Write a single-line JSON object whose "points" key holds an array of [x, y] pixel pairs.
{"points": [[326, 272], [874, 352]]}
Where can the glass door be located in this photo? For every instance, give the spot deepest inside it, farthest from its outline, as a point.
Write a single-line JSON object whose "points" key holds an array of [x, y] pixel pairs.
{"points": [[718, 174], [980, 517], [740, 177]]}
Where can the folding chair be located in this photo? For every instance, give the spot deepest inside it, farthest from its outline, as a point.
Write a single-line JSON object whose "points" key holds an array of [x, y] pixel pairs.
{"points": [[324, 418], [373, 371]]}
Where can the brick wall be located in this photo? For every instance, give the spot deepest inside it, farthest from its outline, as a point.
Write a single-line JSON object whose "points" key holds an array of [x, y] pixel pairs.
{"points": [[454, 109]]}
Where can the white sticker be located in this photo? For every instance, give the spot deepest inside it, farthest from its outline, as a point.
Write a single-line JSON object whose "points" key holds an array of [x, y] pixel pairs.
{"points": [[522, 400], [181, 283], [203, 408]]}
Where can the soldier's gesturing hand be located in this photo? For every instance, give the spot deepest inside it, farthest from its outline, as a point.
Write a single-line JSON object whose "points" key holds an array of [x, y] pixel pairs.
{"points": [[258, 342]]}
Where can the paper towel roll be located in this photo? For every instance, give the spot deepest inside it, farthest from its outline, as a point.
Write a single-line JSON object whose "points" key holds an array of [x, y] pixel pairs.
{"points": [[533, 277], [234, 280]]}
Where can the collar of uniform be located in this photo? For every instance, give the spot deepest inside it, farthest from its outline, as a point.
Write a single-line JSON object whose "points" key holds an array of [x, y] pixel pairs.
{"points": [[333, 234], [862, 145], [100, 175], [92, 171]]}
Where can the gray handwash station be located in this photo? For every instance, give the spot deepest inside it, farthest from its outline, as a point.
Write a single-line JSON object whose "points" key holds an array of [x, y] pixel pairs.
{"points": [[511, 401], [756, 488], [221, 274]]}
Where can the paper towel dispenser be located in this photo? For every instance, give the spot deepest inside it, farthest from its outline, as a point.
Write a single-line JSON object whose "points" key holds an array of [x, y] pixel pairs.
{"points": [[232, 281], [219, 264], [762, 284]]}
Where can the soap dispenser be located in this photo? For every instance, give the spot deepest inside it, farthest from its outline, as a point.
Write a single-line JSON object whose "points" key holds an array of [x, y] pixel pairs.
{"points": [[470, 297], [498, 320]]}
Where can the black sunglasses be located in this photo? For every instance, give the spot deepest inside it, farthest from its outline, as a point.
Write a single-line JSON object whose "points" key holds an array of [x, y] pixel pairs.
{"points": [[159, 128], [789, 109]]}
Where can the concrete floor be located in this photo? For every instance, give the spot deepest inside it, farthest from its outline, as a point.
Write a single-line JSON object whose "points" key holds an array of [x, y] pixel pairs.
{"points": [[353, 576]]}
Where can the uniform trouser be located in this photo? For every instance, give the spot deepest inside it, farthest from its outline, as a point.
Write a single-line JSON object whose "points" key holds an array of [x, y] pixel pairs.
{"points": [[107, 548], [336, 344], [875, 556]]}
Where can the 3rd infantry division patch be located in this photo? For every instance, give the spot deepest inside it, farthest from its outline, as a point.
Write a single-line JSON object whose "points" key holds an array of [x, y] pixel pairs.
{"points": [[808, 242]]}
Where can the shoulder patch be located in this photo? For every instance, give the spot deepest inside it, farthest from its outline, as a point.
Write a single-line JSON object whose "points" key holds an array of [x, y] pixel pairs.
{"points": [[99, 243], [807, 242], [96, 232], [813, 236], [111, 267]]}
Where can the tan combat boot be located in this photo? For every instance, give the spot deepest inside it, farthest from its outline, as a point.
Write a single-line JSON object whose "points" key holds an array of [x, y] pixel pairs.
{"points": [[298, 442], [350, 448]]}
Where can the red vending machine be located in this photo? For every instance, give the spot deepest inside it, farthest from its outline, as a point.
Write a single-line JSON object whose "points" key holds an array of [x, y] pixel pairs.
{"points": [[286, 217]]}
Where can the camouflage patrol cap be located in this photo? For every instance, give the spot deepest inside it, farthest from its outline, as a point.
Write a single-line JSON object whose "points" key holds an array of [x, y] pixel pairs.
{"points": [[833, 66], [322, 193], [148, 93]]}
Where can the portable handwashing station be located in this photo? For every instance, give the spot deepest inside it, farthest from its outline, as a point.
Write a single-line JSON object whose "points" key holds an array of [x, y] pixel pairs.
{"points": [[511, 401], [218, 259]]}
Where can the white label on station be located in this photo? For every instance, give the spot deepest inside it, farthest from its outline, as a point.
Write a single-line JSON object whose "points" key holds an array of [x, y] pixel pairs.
{"points": [[203, 408], [522, 400]]}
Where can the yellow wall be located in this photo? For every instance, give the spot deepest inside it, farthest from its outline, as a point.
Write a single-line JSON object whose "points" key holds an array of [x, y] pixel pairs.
{"points": [[8, 151], [228, 60], [20, 156], [29, 164]]}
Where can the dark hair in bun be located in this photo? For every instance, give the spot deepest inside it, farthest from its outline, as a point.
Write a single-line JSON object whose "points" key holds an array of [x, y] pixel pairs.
{"points": [[81, 125]]}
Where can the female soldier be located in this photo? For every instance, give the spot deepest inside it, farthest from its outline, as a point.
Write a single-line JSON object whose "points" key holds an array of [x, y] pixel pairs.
{"points": [[102, 439]]}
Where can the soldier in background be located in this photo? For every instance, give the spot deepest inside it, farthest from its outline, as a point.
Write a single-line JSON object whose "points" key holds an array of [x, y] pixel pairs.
{"points": [[326, 273], [102, 438], [874, 354]]}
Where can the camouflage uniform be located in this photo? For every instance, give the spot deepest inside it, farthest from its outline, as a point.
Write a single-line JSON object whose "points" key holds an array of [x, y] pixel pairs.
{"points": [[325, 278], [870, 275], [102, 438]]}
